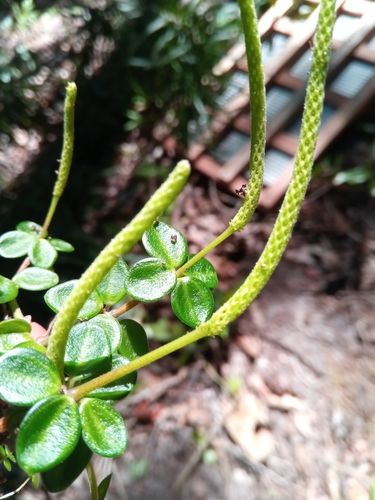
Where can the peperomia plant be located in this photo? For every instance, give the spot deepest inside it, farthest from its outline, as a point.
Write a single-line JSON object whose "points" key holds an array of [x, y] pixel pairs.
{"points": [[60, 384]]}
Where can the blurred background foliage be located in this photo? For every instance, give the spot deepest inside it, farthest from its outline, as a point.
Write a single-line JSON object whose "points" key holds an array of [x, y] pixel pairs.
{"points": [[135, 63]]}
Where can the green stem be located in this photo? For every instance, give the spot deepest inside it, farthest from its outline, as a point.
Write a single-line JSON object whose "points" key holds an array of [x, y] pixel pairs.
{"points": [[223, 236], [93, 485], [15, 309], [258, 114], [121, 244], [66, 155], [284, 224]]}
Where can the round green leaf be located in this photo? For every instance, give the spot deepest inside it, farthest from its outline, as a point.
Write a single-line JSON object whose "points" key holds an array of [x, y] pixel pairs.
{"points": [[8, 290], [134, 340], [15, 244], [112, 288], [202, 270], [61, 245], [9, 340], [62, 475], [150, 280], [103, 428], [118, 389], [34, 278], [26, 376], [192, 301], [15, 326], [56, 296], [165, 243], [88, 347], [48, 434], [27, 226], [111, 327], [42, 254]]}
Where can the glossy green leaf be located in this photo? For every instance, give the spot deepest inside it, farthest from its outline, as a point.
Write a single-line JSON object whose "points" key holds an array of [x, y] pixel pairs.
{"points": [[9, 340], [62, 475], [61, 245], [8, 290], [150, 280], [103, 487], [103, 428], [88, 347], [48, 434], [15, 244], [15, 326], [112, 288], [192, 301], [112, 328], [30, 227], [202, 270], [118, 389], [42, 254], [166, 243], [26, 376], [35, 278], [134, 340], [56, 296]]}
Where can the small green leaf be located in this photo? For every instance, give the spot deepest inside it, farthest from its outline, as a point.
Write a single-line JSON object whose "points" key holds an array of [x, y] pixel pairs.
{"points": [[30, 227], [15, 244], [103, 428], [112, 328], [9, 340], [48, 434], [88, 348], [166, 243], [7, 465], [202, 270], [8, 290], [42, 254], [118, 389], [103, 487], [192, 301], [150, 280], [15, 326], [56, 296], [134, 340], [35, 278], [112, 288], [26, 376], [62, 475], [61, 245]]}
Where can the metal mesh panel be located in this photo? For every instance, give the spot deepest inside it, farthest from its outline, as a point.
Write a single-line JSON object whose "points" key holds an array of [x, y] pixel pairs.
{"points": [[277, 99], [229, 146], [237, 82], [353, 78], [275, 163], [345, 27], [302, 66], [273, 45]]}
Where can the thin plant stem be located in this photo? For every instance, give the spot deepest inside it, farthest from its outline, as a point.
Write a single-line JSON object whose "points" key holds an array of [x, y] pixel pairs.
{"points": [[66, 155], [280, 235], [15, 309], [12, 493], [124, 308], [93, 485], [223, 236]]}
